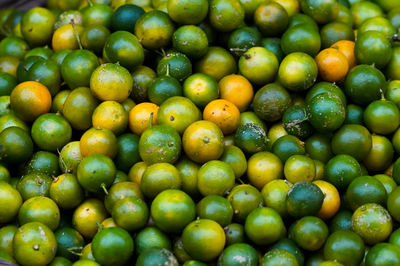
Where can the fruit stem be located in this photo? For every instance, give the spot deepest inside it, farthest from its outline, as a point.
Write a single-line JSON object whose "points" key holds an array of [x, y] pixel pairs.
{"points": [[163, 52], [167, 74], [99, 225], [76, 34], [382, 95], [151, 120], [238, 51], [72, 251], [103, 186]]}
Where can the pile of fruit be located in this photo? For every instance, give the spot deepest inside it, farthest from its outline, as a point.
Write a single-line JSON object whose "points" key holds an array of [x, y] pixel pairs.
{"points": [[200, 132]]}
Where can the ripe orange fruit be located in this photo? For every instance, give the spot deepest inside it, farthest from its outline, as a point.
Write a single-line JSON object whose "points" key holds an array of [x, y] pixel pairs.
{"points": [[332, 64], [347, 49], [203, 141], [331, 202], [99, 140], [236, 89], [30, 99], [224, 114], [139, 117]]}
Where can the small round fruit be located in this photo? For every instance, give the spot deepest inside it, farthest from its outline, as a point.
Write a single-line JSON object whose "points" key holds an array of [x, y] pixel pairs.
{"points": [[264, 226], [203, 239]]}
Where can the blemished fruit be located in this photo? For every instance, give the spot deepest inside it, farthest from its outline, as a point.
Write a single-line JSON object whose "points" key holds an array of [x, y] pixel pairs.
{"points": [[200, 132]]}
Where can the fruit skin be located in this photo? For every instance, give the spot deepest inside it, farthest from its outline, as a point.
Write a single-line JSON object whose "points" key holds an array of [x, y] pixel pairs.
{"points": [[34, 184], [226, 15], [111, 82], [258, 60], [160, 144], [244, 199], [203, 141], [190, 40], [299, 168], [10, 202], [332, 65], [215, 177], [79, 107], [383, 254], [382, 117], [236, 89], [37, 26], [259, 224], [110, 115], [29, 100], [178, 65], [51, 132], [278, 256], [360, 91], [40, 209], [304, 198], [124, 47], [139, 117], [66, 191], [157, 256], [215, 208], [301, 38], [345, 247], [393, 203], [98, 141], [341, 221], [251, 138], [68, 238], [172, 210], [271, 95], [154, 29], [392, 69], [130, 213], [322, 11], [354, 140], [96, 172], [310, 233], [237, 254], [236, 159], [271, 19], [187, 12], [224, 114], [151, 237], [372, 222], [289, 245], [373, 47], [87, 215], [295, 121], [203, 239], [274, 194], [159, 177], [305, 74], [112, 246], [365, 189], [17, 145], [30, 238], [178, 112], [77, 68], [217, 63], [331, 202]]}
